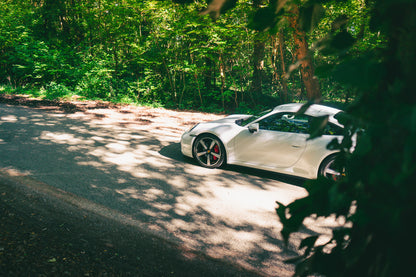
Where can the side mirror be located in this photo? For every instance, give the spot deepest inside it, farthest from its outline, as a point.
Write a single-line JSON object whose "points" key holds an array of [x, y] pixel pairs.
{"points": [[254, 127]]}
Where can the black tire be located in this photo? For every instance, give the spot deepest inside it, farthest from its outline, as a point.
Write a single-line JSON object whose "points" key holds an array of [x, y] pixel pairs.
{"points": [[209, 151], [329, 169]]}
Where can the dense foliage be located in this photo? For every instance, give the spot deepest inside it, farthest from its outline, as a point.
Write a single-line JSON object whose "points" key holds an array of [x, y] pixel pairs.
{"points": [[161, 52], [376, 198]]}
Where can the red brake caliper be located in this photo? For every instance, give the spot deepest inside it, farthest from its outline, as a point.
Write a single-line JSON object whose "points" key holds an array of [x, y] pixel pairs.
{"points": [[216, 150]]}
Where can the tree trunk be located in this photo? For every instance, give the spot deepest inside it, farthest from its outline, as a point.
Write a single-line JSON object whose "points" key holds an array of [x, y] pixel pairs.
{"points": [[208, 73], [258, 60], [222, 76], [303, 58], [274, 61], [199, 89], [258, 67], [285, 96]]}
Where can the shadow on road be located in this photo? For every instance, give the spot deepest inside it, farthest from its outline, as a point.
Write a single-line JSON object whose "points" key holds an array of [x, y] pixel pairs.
{"points": [[173, 151], [137, 170]]}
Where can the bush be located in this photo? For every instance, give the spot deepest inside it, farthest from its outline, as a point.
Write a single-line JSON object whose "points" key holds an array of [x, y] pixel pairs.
{"points": [[97, 82], [57, 91]]}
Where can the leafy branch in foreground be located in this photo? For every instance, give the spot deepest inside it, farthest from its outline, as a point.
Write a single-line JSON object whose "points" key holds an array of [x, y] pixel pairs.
{"points": [[376, 199]]}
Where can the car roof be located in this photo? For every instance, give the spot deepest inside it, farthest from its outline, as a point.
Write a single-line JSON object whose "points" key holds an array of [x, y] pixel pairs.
{"points": [[314, 109]]}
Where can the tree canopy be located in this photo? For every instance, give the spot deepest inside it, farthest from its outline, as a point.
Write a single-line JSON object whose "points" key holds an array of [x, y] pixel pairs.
{"points": [[165, 53]]}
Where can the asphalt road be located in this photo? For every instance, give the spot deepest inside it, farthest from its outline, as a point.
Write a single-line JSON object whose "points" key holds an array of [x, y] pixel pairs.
{"points": [[128, 167]]}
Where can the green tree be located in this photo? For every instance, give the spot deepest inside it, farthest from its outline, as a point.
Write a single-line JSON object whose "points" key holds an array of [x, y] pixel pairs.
{"points": [[302, 54], [162, 52], [258, 58]]}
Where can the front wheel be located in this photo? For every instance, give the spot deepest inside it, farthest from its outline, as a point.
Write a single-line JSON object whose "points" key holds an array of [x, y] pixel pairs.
{"points": [[209, 151], [331, 170]]}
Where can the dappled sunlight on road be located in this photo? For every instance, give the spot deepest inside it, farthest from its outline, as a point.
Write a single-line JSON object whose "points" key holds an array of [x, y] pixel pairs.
{"points": [[64, 138], [131, 163], [9, 118]]}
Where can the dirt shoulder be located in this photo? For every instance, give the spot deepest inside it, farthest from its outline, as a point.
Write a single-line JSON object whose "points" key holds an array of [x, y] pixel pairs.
{"points": [[100, 109]]}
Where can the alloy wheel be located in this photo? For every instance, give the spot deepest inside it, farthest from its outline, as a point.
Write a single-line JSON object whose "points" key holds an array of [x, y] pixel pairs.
{"points": [[208, 151], [329, 171]]}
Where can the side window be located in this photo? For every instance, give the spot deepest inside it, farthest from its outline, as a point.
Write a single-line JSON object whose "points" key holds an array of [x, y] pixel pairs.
{"points": [[270, 123], [333, 130], [302, 123], [286, 122]]}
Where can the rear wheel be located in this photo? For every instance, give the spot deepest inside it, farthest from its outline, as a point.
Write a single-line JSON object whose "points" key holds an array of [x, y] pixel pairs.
{"points": [[209, 151], [330, 170]]}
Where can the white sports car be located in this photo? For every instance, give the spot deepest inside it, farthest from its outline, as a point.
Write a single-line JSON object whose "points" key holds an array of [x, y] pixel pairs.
{"points": [[275, 140]]}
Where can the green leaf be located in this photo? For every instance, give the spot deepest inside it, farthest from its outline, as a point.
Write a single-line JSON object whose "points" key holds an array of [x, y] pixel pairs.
{"points": [[363, 72], [308, 242], [281, 211], [310, 16], [333, 145], [342, 40], [340, 22], [263, 19], [217, 7], [364, 145], [324, 70], [344, 118], [183, 1], [304, 107], [317, 126]]}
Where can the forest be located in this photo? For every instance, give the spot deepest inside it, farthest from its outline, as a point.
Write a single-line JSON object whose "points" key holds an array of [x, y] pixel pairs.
{"points": [[241, 56], [167, 54]]}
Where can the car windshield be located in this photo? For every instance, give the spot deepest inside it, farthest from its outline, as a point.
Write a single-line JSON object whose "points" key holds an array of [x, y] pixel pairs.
{"points": [[248, 120]]}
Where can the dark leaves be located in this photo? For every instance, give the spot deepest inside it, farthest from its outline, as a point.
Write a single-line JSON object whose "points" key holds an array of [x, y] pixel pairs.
{"points": [[362, 73], [291, 216], [317, 126], [342, 40], [263, 19], [309, 243], [304, 107], [310, 16], [183, 1], [217, 7], [364, 145]]}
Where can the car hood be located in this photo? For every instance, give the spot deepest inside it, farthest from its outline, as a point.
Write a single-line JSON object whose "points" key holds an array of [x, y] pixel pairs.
{"points": [[230, 119]]}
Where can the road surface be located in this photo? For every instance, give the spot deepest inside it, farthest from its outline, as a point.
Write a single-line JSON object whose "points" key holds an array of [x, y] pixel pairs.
{"points": [[126, 164]]}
